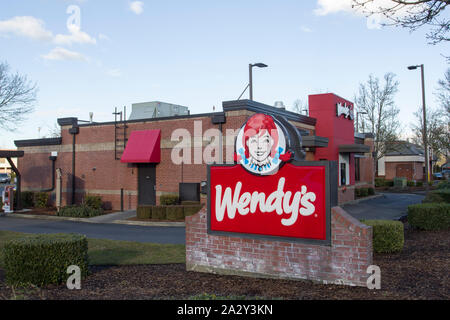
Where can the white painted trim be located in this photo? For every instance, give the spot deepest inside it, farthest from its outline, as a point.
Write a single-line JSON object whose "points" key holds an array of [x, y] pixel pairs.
{"points": [[404, 159]]}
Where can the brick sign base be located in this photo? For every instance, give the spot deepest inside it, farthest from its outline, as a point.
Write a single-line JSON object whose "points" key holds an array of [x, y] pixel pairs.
{"points": [[344, 262]]}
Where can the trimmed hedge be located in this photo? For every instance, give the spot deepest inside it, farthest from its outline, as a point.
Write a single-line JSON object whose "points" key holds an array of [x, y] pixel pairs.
{"points": [[82, 211], [361, 192], [371, 191], [144, 212], [439, 195], [381, 182], [443, 185], [169, 200], [159, 213], [174, 212], [429, 216], [27, 199], [388, 235], [167, 212], [94, 202], [192, 209], [43, 259], [419, 183], [41, 199], [190, 203]]}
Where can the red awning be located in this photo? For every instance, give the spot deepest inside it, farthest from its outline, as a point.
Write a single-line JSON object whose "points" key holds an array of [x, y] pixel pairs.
{"points": [[143, 147]]}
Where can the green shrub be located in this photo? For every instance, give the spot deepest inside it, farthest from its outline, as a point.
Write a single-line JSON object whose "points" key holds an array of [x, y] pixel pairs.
{"points": [[410, 183], [192, 209], [400, 182], [443, 185], [144, 212], [94, 202], [371, 191], [41, 199], [1, 205], [43, 259], [27, 199], [82, 211], [439, 195], [389, 183], [168, 199], [429, 216], [362, 192], [388, 236], [419, 183], [190, 203], [175, 213], [380, 182], [159, 213]]}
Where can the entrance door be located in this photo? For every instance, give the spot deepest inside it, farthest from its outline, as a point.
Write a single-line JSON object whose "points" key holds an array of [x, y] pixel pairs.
{"points": [[147, 184], [404, 170]]}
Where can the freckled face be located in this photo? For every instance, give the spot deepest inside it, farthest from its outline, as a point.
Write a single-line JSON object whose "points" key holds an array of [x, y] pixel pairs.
{"points": [[259, 147]]}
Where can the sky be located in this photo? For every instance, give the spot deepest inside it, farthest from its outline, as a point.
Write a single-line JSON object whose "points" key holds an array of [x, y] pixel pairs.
{"points": [[95, 55]]}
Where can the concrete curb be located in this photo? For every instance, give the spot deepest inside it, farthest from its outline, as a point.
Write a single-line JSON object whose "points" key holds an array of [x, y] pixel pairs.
{"points": [[53, 218], [150, 223], [363, 199], [88, 220]]}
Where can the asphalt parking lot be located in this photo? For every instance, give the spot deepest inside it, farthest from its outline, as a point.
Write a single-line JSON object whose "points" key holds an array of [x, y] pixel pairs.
{"points": [[390, 206]]}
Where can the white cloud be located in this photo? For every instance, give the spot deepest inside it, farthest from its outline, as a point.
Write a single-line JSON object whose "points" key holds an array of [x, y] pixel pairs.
{"points": [[75, 36], [33, 28], [332, 6], [137, 7], [26, 26], [59, 53], [374, 21]]}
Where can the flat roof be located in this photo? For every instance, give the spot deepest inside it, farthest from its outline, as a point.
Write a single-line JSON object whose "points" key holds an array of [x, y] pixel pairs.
{"points": [[11, 154]]}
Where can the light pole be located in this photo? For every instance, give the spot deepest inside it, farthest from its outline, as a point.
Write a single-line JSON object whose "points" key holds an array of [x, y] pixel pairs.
{"points": [[424, 129], [250, 82]]}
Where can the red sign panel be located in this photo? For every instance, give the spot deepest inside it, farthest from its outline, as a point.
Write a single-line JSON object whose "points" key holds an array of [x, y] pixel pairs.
{"points": [[292, 203]]}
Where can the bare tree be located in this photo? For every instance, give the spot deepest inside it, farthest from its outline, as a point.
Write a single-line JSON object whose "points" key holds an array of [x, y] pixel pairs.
{"points": [[300, 107], [443, 92], [17, 97], [53, 132], [438, 136], [411, 14], [375, 102]]}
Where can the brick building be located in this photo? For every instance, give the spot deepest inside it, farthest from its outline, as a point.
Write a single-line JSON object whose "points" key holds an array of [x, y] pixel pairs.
{"points": [[91, 156], [405, 159]]}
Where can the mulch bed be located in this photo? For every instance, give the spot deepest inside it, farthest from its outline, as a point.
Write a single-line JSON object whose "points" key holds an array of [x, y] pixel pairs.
{"points": [[420, 271], [52, 212], [153, 220]]}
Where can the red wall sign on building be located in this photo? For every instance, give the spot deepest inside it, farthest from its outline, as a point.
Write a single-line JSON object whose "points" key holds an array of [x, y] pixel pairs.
{"points": [[267, 194]]}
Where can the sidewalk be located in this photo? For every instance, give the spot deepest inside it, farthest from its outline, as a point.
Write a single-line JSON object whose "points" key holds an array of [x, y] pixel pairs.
{"points": [[112, 218]]}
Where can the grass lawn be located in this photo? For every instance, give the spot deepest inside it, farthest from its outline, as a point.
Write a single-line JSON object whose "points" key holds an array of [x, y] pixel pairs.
{"points": [[112, 252]]}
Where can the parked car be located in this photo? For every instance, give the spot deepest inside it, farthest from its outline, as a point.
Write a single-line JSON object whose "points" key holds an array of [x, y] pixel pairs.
{"points": [[438, 175], [5, 178], [446, 174]]}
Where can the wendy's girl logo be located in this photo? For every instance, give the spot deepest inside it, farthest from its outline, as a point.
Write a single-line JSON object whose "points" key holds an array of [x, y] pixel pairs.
{"points": [[261, 145]]}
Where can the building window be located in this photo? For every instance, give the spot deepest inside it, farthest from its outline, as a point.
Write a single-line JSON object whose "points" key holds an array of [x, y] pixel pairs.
{"points": [[357, 170], [344, 169], [343, 175]]}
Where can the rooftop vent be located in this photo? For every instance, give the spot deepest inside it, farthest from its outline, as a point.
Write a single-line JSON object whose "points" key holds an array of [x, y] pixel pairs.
{"points": [[279, 104], [156, 109]]}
